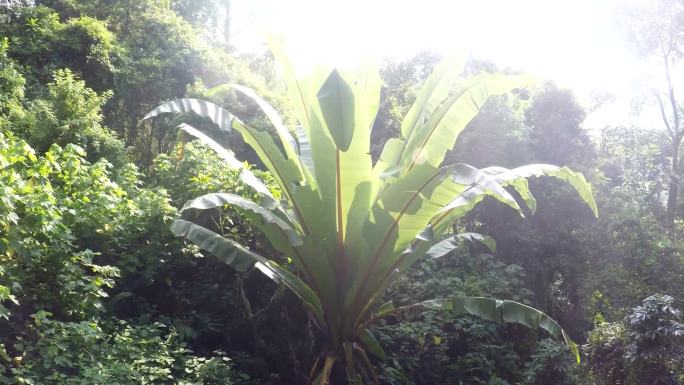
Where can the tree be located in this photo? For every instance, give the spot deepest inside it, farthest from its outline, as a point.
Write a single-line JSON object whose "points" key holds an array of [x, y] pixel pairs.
{"points": [[556, 134], [402, 81], [70, 112], [656, 30], [352, 227]]}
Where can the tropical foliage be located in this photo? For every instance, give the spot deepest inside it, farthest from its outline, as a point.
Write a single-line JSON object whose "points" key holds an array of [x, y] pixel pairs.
{"points": [[95, 288], [351, 226]]}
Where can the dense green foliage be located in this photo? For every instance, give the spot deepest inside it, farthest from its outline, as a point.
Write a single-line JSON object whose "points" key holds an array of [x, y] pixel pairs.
{"points": [[94, 288]]}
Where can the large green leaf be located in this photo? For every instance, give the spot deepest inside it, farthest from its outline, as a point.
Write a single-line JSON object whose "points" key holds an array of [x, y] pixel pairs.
{"points": [[281, 233], [305, 202], [340, 159], [495, 310], [336, 100], [433, 92], [336, 112], [429, 142], [299, 89], [446, 246], [480, 185], [312, 216], [228, 251], [241, 258], [218, 115], [343, 170]]}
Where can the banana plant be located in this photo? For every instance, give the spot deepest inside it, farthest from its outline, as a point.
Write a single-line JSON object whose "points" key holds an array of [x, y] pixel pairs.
{"points": [[350, 225]]}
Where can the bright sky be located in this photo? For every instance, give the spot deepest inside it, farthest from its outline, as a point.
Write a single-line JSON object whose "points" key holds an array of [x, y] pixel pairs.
{"points": [[575, 43]]}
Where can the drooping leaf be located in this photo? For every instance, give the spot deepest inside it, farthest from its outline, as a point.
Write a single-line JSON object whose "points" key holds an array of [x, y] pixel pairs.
{"points": [[282, 275], [481, 185], [218, 115], [287, 140], [272, 225], [285, 171], [466, 174], [228, 251], [445, 246], [303, 199], [495, 310], [227, 155], [512, 177], [486, 240], [241, 258]]}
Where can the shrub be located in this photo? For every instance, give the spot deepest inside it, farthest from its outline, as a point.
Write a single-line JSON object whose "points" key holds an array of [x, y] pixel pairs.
{"points": [[644, 348], [92, 353], [551, 364]]}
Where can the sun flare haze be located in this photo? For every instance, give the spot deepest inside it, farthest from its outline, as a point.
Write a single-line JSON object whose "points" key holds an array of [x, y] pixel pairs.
{"points": [[577, 44]]}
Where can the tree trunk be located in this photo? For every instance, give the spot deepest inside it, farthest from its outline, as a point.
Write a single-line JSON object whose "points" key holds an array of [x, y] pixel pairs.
{"points": [[673, 189], [675, 133]]}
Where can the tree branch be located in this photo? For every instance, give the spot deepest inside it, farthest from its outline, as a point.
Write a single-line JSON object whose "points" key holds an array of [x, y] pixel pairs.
{"points": [[670, 131], [670, 88]]}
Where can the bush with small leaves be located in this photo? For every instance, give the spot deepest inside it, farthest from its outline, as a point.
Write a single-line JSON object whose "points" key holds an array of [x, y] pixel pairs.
{"points": [[95, 353], [441, 348], [70, 113], [551, 364], [646, 347]]}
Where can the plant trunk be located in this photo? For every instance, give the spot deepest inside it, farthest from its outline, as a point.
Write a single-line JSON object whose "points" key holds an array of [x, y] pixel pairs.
{"points": [[673, 190], [676, 137]]}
